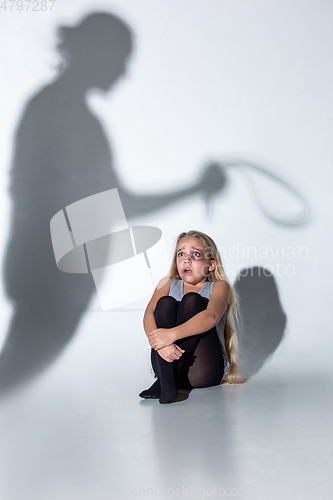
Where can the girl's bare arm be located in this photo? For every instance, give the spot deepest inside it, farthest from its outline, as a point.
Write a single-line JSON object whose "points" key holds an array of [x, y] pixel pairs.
{"points": [[162, 289]]}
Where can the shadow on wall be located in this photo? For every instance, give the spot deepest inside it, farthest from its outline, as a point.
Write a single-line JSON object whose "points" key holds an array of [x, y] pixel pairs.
{"points": [[62, 155], [263, 319]]}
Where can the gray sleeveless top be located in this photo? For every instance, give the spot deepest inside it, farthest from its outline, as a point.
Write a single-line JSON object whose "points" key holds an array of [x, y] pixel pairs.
{"points": [[177, 292]]}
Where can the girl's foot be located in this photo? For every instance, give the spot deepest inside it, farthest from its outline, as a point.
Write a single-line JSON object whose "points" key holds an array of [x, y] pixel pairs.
{"points": [[168, 393], [153, 392]]}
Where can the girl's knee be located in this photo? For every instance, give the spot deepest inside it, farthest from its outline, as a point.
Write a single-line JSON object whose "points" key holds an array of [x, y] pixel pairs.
{"points": [[194, 298], [166, 301], [166, 312]]}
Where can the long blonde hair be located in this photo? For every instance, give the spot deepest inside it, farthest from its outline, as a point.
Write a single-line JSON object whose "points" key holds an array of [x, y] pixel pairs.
{"points": [[233, 319]]}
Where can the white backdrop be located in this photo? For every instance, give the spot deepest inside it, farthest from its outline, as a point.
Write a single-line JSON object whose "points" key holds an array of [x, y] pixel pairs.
{"points": [[213, 80]]}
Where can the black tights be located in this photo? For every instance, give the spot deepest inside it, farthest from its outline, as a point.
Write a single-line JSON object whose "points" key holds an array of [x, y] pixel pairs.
{"points": [[202, 364]]}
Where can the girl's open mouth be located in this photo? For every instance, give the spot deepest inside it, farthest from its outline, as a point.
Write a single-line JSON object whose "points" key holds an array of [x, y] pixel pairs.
{"points": [[187, 271]]}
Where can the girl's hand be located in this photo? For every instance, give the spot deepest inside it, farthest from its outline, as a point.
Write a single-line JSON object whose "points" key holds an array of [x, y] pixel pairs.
{"points": [[170, 353], [162, 337]]}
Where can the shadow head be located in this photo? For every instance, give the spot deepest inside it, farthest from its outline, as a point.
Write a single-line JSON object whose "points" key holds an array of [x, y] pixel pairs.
{"points": [[96, 51]]}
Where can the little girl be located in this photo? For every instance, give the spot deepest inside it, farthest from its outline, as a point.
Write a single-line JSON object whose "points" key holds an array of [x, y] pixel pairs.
{"points": [[189, 322]]}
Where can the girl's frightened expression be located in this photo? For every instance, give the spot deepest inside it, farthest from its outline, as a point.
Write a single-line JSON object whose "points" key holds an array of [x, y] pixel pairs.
{"points": [[194, 263]]}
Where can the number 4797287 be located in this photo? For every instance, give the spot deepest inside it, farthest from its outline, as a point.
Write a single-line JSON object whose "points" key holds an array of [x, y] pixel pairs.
{"points": [[37, 5]]}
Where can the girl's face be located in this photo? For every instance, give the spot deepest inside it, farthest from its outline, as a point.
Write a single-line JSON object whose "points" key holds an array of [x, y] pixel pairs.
{"points": [[193, 260]]}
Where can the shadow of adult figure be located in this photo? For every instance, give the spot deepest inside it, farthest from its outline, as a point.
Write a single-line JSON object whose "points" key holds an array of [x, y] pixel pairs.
{"points": [[62, 155], [263, 318]]}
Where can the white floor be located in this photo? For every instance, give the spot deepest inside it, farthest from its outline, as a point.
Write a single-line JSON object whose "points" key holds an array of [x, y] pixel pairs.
{"points": [[80, 432]]}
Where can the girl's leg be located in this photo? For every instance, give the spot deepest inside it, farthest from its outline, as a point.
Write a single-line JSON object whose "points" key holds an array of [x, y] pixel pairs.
{"points": [[207, 365], [203, 364], [191, 304], [165, 317]]}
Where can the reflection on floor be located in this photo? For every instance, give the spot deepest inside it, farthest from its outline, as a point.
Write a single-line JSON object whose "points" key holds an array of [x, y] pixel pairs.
{"points": [[81, 432]]}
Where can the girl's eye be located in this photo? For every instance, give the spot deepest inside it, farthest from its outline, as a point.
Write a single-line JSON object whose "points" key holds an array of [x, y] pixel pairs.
{"points": [[181, 254], [196, 254]]}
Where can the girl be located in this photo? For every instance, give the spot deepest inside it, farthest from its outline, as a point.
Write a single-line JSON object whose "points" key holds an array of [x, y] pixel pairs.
{"points": [[189, 321]]}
